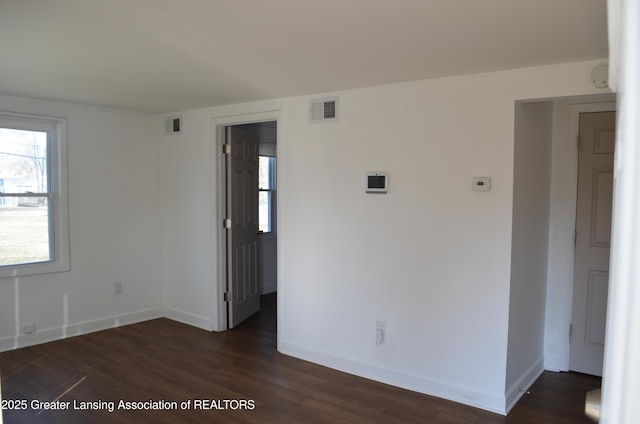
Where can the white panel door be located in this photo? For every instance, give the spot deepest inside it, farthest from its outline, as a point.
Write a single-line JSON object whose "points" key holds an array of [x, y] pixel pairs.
{"points": [[593, 237], [242, 236]]}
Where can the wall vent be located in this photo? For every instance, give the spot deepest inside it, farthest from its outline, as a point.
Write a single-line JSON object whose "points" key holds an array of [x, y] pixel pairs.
{"points": [[173, 125], [324, 110]]}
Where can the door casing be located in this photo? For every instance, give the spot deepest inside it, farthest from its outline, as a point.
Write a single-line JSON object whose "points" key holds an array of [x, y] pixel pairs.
{"points": [[591, 257], [218, 126], [561, 278]]}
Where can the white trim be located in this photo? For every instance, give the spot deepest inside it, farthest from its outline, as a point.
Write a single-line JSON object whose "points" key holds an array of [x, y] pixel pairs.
{"points": [[515, 392], [79, 329], [193, 320], [56, 127], [218, 125], [621, 382], [575, 111], [482, 400], [563, 208]]}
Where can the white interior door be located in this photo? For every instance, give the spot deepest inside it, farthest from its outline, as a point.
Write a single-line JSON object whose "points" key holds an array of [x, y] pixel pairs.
{"points": [[242, 233], [593, 237]]}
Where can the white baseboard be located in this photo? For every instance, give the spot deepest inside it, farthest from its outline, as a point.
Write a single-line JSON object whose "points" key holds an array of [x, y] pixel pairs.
{"points": [[86, 327], [552, 363], [523, 383], [439, 389], [189, 319], [77, 329], [497, 404]]}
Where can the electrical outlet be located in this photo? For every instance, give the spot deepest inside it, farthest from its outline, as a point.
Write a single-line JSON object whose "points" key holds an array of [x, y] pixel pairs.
{"points": [[117, 287], [29, 328]]}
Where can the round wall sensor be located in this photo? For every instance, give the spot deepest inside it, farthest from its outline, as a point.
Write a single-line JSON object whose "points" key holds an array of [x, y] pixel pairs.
{"points": [[600, 76]]}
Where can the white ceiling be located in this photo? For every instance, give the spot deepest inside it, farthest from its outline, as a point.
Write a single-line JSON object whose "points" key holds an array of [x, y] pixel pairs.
{"points": [[172, 55]]}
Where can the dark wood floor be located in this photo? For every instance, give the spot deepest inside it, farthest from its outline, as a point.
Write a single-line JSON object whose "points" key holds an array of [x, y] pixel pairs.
{"points": [[166, 360]]}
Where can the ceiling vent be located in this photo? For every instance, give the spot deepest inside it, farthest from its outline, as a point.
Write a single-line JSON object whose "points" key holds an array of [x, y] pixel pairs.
{"points": [[324, 110], [173, 125]]}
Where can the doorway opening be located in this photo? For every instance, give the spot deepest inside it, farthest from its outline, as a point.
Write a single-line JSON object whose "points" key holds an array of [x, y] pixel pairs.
{"points": [[562, 224], [592, 241], [248, 206]]}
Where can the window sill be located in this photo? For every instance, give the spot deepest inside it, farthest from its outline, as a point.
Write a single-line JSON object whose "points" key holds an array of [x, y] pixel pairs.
{"points": [[14, 271]]}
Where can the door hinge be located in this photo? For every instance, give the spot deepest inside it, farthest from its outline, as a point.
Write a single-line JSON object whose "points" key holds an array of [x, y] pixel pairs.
{"points": [[570, 331], [226, 149], [227, 296], [575, 237], [226, 223]]}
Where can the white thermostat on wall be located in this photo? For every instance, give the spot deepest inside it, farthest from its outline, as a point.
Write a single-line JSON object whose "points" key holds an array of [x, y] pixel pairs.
{"points": [[377, 182], [481, 184]]}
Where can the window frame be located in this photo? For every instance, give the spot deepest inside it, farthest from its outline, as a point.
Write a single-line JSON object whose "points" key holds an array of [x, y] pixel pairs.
{"points": [[56, 192], [271, 197]]}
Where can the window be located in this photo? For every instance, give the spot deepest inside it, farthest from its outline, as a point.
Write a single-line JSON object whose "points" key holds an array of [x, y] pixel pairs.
{"points": [[33, 205], [266, 193]]}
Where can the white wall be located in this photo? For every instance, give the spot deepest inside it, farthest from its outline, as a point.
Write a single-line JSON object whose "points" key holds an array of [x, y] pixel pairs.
{"points": [[192, 216], [431, 258], [114, 198], [189, 220], [415, 258], [529, 245]]}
